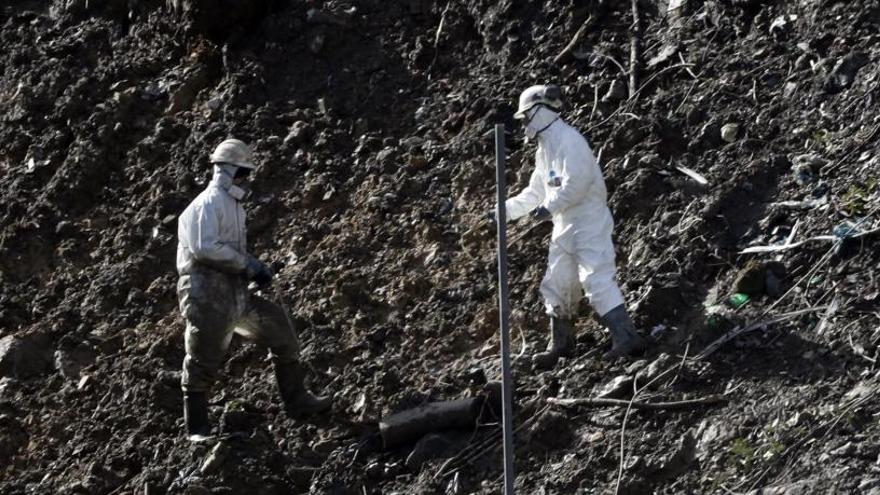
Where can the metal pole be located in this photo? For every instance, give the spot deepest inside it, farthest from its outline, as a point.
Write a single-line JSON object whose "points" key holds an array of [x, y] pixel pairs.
{"points": [[504, 311]]}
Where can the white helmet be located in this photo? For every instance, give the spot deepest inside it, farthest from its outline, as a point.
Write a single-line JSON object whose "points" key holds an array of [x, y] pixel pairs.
{"points": [[549, 95], [234, 152]]}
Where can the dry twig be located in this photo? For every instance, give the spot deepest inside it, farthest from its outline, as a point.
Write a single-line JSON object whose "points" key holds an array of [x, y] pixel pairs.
{"points": [[670, 405], [569, 48]]}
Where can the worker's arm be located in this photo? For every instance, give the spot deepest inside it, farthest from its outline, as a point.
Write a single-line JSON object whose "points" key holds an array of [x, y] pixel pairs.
{"points": [[204, 242], [577, 174], [529, 198]]}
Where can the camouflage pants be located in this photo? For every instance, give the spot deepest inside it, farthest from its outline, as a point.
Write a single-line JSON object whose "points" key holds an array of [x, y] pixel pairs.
{"points": [[215, 305]]}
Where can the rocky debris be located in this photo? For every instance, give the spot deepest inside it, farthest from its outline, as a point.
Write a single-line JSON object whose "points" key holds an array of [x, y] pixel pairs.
{"points": [[26, 356], [70, 358], [619, 387], [730, 132], [803, 487], [843, 75], [192, 81], [13, 436]]}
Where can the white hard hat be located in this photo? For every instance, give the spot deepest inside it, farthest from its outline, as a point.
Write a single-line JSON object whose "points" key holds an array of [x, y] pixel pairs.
{"points": [[234, 152], [548, 95]]}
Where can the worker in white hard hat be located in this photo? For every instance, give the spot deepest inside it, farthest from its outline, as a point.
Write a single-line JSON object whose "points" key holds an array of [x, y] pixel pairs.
{"points": [[567, 187], [214, 268]]}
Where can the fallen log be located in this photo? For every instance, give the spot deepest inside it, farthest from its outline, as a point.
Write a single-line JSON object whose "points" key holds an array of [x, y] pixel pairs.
{"points": [[411, 424]]}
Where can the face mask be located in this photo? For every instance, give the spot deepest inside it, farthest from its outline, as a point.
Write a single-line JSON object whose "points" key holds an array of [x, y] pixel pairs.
{"points": [[237, 192], [530, 130]]}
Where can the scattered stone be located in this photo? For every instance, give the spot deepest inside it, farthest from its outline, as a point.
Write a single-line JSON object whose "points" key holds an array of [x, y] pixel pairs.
{"points": [[711, 434], [193, 80], [300, 133], [375, 470], [845, 450], [729, 132], [616, 92], [780, 26], [70, 359], [862, 390], [659, 365], [869, 484], [620, 386], [681, 458], [843, 75], [804, 487], [595, 437], [24, 357]]}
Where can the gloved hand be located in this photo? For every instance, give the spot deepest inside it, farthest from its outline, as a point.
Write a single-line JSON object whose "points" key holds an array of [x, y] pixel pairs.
{"points": [[492, 218], [540, 214], [257, 271]]}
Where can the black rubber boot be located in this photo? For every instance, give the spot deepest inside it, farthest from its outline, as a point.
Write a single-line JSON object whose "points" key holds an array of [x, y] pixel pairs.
{"points": [[195, 415], [625, 341], [297, 400], [561, 343]]}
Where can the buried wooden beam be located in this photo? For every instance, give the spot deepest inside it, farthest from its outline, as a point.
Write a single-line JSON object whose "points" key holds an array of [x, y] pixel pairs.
{"points": [[411, 424]]}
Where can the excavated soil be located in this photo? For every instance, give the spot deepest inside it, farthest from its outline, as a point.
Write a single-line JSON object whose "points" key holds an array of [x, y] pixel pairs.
{"points": [[372, 123]]}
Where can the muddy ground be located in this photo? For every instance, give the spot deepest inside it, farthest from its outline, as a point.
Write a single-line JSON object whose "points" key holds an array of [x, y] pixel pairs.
{"points": [[372, 122]]}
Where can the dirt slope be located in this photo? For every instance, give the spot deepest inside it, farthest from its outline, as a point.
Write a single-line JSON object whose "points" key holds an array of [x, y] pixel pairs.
{"points": [[372, 122]]}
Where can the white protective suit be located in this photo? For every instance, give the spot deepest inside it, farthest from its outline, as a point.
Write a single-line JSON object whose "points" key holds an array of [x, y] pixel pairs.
{"points": [[567, 182], [212, 259]]}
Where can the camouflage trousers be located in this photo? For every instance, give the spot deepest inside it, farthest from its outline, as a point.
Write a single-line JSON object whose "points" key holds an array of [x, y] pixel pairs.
{"points": [[215, 305]]}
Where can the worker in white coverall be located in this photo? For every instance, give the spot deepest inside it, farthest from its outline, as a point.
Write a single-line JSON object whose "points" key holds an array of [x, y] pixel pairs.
{"points": [[215, 268], [567, 187]]}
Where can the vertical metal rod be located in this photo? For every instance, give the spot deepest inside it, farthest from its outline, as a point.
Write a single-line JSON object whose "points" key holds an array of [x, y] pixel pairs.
{"points": [[504, 310]]}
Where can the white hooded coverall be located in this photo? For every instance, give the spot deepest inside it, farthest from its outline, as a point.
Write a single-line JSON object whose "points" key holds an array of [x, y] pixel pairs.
{"points": [[567, 182], [212, 289]]}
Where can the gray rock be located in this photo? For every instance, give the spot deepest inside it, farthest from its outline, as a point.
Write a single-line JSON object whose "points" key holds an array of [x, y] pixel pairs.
{"points": [[617, 91], [710, 434], [869, 484], [843, 75], [300, 132], [620, 386], [658, 366], [729, 132], [23, 357], [803, 487], [845, 450], [863, 389]]}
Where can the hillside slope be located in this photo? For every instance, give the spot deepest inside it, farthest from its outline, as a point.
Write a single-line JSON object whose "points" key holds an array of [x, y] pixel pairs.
{"points": [[371, 121]]}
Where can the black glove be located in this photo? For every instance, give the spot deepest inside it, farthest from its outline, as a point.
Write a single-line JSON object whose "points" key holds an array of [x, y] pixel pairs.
{"points": [[257, 271], [492, 218], [540, 214]]}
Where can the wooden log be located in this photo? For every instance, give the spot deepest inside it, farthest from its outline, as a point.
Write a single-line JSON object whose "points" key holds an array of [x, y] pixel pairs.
{"points": [[411, 424]]}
